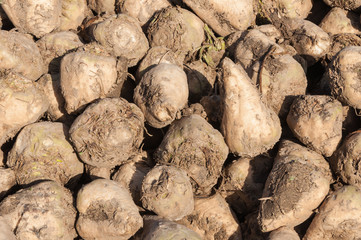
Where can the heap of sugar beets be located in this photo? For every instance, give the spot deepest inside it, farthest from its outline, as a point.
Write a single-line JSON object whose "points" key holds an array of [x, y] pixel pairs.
{"points": [[180, 119]]}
